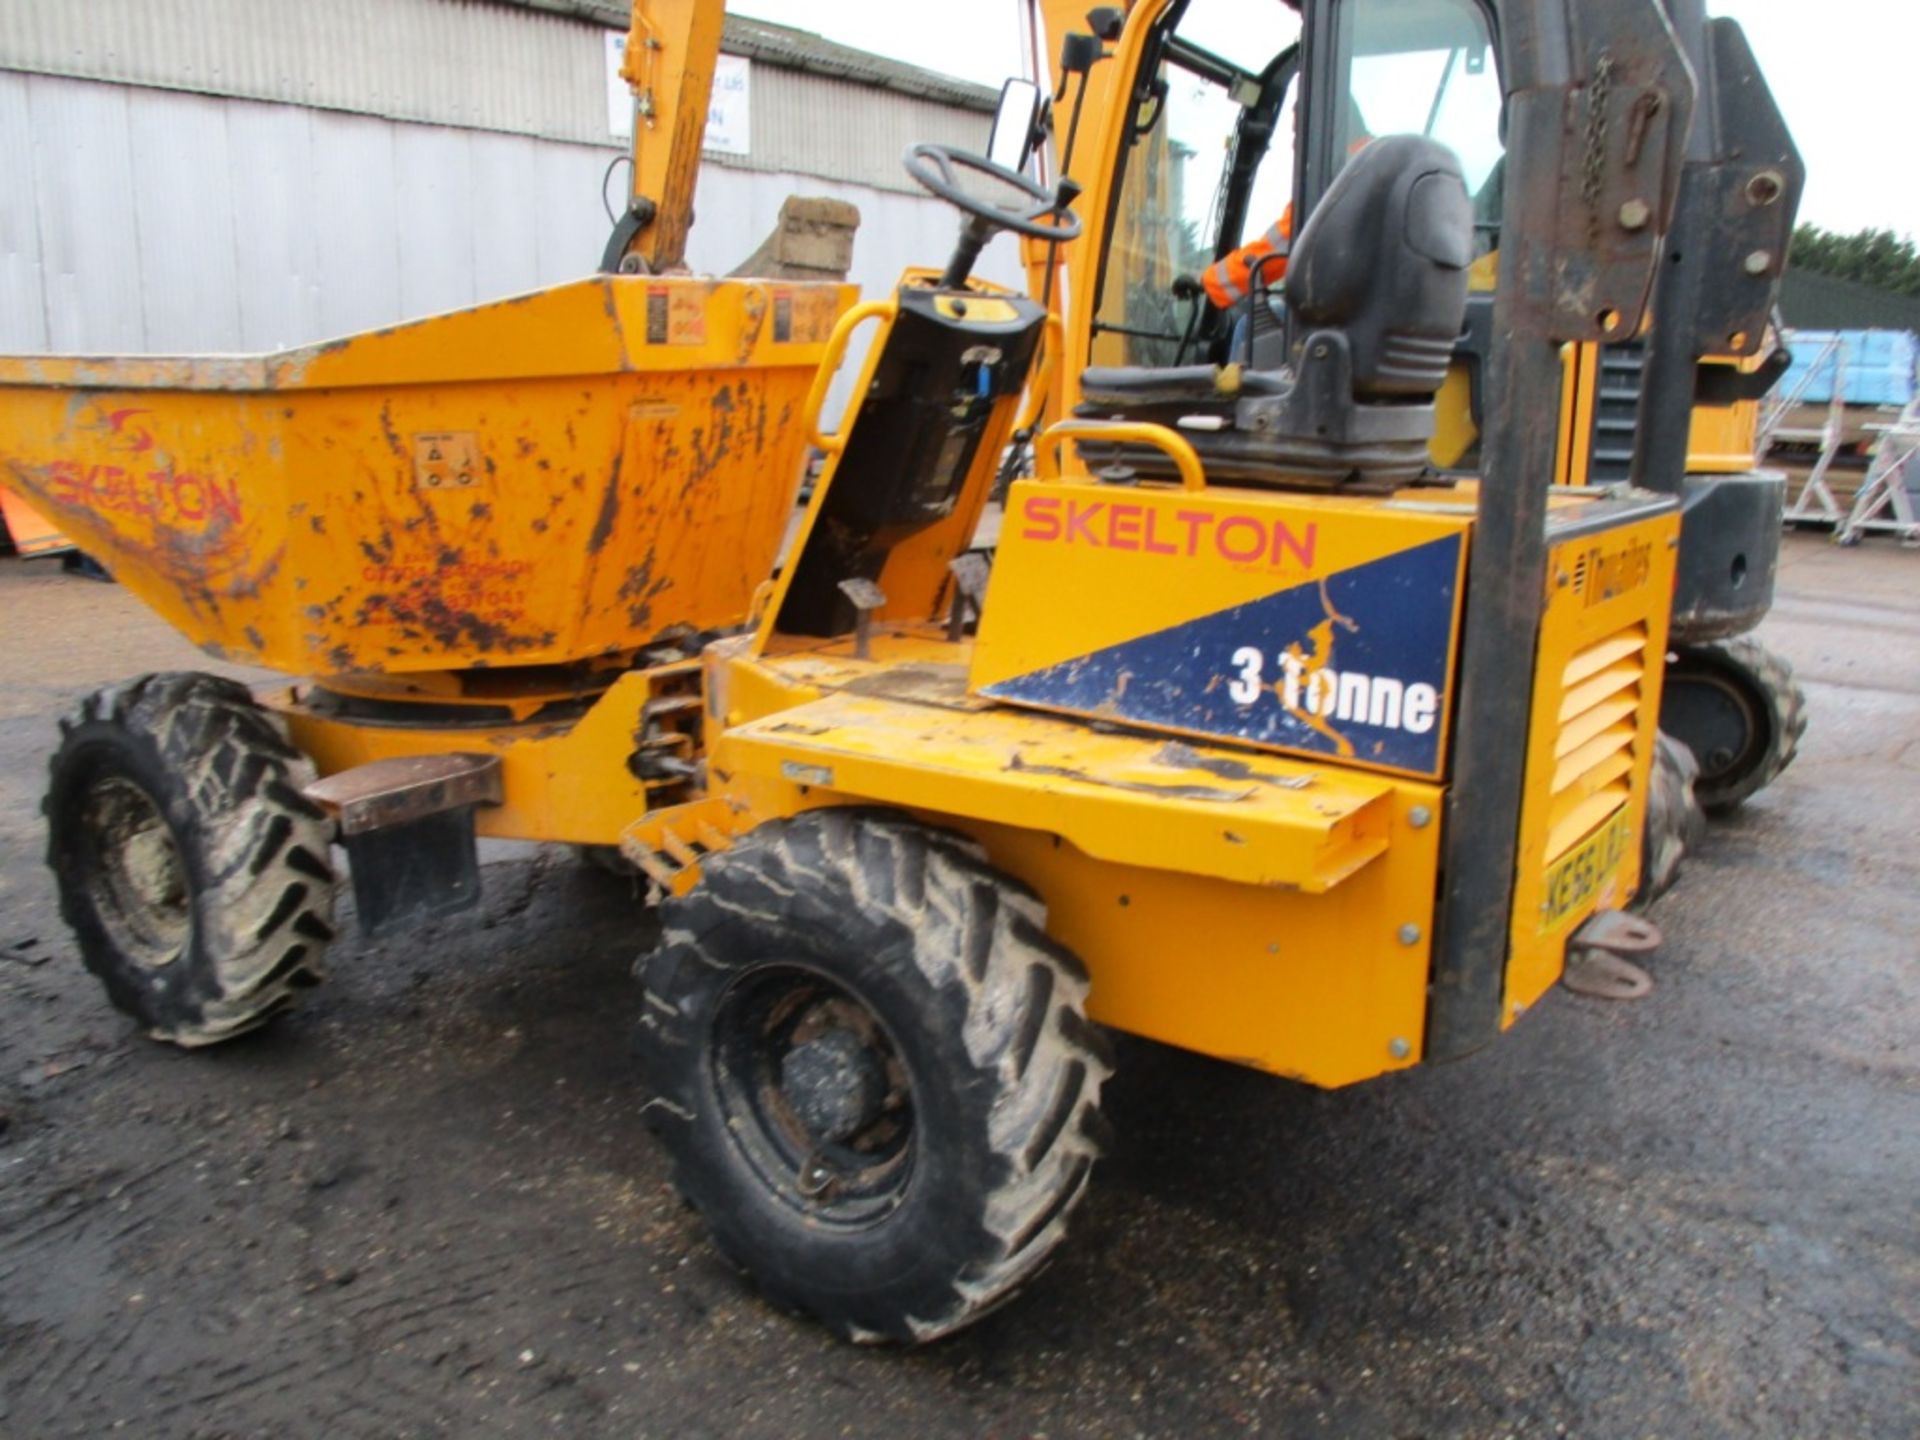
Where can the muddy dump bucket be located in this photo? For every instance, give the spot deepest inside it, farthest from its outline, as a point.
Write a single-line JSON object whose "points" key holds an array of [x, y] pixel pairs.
{"points": [[571, 474]]}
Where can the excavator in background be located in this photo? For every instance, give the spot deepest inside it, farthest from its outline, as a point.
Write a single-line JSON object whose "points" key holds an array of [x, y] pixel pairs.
{"points": [[1255, 734], [1255, 108]]}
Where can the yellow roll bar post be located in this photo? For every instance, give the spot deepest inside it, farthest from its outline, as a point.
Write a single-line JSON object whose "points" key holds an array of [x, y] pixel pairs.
{"points": [[830, 366], [672, 48], [1171, 443]]}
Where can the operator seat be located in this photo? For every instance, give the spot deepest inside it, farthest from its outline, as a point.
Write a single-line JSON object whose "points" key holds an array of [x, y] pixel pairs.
{"points": [[1377, 285]]}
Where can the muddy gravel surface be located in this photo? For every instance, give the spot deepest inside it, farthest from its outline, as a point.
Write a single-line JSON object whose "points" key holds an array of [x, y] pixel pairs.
{"points": [[426, 1204]]}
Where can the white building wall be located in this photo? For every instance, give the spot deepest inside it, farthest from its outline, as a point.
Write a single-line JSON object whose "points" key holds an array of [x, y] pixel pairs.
{"points": [[147, 220]]}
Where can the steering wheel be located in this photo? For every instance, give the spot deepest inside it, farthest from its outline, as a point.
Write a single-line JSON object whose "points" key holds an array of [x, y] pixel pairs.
{"points": [[934, 166]]}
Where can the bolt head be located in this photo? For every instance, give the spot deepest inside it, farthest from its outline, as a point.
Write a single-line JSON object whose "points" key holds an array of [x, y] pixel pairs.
{"points": [[1409, 934], [1766, 187], [1758, 262], [1634, 214], [1419, 817], [1399, 1048]]}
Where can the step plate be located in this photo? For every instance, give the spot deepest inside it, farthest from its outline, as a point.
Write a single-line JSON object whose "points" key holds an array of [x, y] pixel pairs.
{"points": [[1129, 798]]}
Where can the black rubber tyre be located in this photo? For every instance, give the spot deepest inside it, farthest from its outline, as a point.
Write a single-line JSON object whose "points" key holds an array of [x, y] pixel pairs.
{"points": [[1736, 705], [1674, 822], [194, 874], [606, 858], [873, 1071]]}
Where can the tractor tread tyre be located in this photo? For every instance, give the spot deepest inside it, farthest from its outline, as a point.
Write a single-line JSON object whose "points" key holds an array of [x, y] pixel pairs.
{"points": [[1766, 677], [1674, 823], [254, 909], [987, 1015]]}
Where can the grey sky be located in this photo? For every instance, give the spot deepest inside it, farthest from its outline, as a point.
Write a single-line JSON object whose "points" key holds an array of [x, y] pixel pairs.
{"points": [[1841, 70]]}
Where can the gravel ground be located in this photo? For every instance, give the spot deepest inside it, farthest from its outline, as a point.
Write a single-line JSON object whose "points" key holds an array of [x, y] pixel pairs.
{"points": [[426, 1205]]}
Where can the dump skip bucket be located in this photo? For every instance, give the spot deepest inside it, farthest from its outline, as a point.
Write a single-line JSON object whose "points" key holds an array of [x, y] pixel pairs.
{"points": [[570, 474]]}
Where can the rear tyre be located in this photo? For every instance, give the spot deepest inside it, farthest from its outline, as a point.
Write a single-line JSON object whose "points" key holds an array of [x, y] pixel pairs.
{"points": [[194, 874], [873, 1071], [1674, 823], [1735, 704]]}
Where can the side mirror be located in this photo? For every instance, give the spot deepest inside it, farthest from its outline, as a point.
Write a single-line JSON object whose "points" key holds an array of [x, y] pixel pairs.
{"points": [[1015, 125]]}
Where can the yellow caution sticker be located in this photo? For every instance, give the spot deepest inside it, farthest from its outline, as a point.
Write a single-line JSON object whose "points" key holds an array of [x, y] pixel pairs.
{"points": [[446, 460], [1579, 874]]}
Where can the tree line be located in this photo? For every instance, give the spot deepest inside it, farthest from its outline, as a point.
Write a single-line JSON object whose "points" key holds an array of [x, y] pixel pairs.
{"points": [[1872, 257]]}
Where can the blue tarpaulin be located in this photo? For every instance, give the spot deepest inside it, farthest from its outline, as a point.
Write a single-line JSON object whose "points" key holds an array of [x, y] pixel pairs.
{"points": [[1879, 366]]}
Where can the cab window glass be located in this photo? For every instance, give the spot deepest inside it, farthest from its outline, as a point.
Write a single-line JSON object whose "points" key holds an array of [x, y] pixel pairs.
{"points": [[1177, 190], [1424, 67]]}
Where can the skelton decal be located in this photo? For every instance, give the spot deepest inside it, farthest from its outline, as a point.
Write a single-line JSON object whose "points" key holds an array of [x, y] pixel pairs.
{"points": [[1353, 665]]}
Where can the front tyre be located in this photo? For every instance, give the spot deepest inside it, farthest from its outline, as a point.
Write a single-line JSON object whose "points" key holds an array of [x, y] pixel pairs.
{"points": [[873, 1071], [1674, 824], [194, 874], [1736, 705]]}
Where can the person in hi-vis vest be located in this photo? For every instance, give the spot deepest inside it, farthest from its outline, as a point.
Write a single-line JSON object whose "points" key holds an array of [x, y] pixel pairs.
{"points": [[1262, 261]]}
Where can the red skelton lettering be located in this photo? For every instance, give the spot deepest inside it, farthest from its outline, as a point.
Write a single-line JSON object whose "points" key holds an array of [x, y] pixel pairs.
{"points": [[1080, 521], [171, 497], [1043, 518], [1117, 525]]}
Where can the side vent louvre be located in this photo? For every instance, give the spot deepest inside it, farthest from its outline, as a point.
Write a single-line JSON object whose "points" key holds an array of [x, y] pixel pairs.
{"points": [[1616, 410], [1593, 752]]}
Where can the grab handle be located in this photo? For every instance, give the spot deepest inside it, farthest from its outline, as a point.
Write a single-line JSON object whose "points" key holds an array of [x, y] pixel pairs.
{"points": [[830, 362], [1172, 444]]}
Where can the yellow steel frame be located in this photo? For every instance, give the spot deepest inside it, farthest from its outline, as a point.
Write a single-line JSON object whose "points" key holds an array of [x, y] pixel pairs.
{"points": [[1597, 684], [1312, 881], [565, 782], [672, 49], [1262, 920]]}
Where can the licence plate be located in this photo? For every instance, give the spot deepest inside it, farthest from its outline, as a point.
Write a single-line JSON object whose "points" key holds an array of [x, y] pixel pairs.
{"points": [[1577, 876]]}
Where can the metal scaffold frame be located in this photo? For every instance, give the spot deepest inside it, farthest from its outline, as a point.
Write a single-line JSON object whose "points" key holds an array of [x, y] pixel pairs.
{"points": [[1885, 501], [1815, 501]]}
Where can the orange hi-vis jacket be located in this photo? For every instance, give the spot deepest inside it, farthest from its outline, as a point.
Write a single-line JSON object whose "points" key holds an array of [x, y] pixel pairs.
{"points": [[1230, 278]]}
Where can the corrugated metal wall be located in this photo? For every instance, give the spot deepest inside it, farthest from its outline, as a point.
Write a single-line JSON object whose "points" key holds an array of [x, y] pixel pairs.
{"points": [[470, 64], [151, 220], [466, 63], [843, 131], [396, 158], [139, 220]]}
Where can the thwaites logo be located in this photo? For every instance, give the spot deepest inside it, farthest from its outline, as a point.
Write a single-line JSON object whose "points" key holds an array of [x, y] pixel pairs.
{"points": [[1151, 530], [1601, 574]]}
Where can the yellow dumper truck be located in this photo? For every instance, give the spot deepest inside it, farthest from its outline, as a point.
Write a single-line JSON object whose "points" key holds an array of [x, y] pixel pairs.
{"points": [[1254, 734]]}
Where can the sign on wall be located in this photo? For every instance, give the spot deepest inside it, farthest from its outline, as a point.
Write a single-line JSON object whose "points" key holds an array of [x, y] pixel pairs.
{"points": [[728, 112]]}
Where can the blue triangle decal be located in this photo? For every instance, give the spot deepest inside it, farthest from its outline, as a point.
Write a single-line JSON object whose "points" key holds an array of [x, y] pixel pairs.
{"points": [[1352, 666]]}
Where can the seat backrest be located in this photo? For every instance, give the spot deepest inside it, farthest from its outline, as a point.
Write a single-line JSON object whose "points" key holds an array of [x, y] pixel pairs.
{"points": [[1383, 259]]}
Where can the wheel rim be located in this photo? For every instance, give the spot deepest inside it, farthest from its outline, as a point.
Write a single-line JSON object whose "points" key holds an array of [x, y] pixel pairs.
{"points": [[1719, 723], [137, 879], [813, 1093]]}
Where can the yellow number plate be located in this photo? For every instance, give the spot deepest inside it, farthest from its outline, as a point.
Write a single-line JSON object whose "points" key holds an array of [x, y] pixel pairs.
{"points": [[1578, 875]]}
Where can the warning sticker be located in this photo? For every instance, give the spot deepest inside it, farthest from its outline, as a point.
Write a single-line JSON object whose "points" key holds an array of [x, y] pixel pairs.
{"points": [[813, 311], [676, 315], [447, 460]]}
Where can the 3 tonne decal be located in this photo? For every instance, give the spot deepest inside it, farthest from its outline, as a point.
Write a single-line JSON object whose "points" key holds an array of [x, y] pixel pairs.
{"points": [[1352, 665]]}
